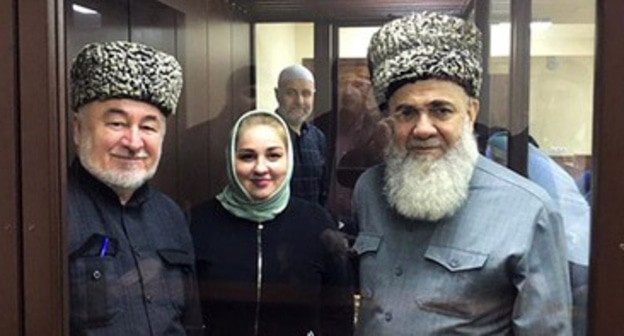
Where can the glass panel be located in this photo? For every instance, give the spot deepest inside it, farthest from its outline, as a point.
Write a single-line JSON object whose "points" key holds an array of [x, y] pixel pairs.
{"points": [[356, 147], [279, 45], [94, 21], [561, 82], [560, 117], [561, 85], [560, 120]]}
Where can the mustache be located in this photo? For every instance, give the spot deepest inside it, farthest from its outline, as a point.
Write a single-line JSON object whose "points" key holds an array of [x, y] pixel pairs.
{"points": [[431, 142], [127, 153]]}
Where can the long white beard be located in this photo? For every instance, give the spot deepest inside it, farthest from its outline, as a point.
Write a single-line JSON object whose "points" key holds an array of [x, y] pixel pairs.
{"points": [[430, 189]]}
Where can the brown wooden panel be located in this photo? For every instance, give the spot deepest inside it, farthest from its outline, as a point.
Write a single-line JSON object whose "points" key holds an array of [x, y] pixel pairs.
{"points": [[10, 285], [192, 143], [42, 167], [242, 83], [154, 24], [342, 10], [204, 129], [193, 147], [607, 255], [220, 108]]}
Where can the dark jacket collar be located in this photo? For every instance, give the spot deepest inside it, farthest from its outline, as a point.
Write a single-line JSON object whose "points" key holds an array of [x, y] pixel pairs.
{"points": [[304, 127], [97, 187]]}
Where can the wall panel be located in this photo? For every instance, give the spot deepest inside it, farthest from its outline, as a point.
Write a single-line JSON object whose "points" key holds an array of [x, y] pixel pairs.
{"points": [[607, 254], [42, 162], [10, 285]]}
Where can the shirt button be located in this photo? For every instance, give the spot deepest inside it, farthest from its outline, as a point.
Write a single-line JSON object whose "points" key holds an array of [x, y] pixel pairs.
{"points": [[388, 316], [148, 298], [398, 271], [135, 250], [97, 275], [454, 263]]}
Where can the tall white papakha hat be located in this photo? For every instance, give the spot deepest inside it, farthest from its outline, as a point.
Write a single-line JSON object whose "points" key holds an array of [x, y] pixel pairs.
{"points": [[124, 69], [421, 46]]}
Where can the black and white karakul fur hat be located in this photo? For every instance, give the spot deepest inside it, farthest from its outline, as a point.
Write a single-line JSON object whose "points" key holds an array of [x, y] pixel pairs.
{"points": [[122, 69], [425, 45]]}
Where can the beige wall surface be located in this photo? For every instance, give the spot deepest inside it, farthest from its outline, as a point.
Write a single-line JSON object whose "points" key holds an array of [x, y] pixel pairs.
{"points": [[279, 45], [353, 42], [555, 39], [561, 84], [561, 104]]}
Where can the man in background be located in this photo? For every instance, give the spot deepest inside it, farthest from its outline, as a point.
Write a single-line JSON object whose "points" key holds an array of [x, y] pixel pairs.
{"points": [[131, 256], [295, 96]]}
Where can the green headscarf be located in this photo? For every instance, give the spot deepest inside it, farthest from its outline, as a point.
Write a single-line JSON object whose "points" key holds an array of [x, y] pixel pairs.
{"points": [[236, 199]]}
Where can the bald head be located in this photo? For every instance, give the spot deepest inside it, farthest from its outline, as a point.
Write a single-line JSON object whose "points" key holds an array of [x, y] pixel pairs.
{"points": [[293, 72], [295, 95]]}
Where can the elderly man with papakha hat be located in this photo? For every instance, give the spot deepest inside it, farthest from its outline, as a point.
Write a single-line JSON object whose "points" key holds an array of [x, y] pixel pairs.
{"points": [[450, 242], [131, 256]]}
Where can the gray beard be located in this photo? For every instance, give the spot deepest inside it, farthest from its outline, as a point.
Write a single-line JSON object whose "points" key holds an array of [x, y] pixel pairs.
{"points": [[427, 189], [117, 180]]}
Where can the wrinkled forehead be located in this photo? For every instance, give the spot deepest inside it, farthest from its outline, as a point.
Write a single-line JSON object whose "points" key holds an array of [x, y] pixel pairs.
{"points": [[428, 89]]}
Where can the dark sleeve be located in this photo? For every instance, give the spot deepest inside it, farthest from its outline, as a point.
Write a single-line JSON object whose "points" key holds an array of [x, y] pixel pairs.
{"points": [[579, 279], [337, 292], [192, 318], [326, 176], [196, 217]]}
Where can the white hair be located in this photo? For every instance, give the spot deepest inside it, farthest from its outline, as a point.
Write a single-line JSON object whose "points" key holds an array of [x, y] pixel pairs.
{"points": [[431, 189]]}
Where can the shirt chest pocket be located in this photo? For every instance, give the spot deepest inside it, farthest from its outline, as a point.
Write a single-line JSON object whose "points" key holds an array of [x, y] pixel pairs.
{"points": [[371, 261], [367, 243], [456, 282], [177, 275], [455, 260], [95, 291]]}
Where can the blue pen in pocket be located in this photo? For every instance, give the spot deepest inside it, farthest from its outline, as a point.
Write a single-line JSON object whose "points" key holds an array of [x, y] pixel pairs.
{"points": [[104, 247]]}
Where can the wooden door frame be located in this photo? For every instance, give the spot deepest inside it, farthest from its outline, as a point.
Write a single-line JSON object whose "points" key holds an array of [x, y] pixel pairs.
{"points": [[10, 258], [607, 253], [42, 168]]}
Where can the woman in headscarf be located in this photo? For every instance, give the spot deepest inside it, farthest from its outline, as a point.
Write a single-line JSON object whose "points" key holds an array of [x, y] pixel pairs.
{"points": [[268, 263]]}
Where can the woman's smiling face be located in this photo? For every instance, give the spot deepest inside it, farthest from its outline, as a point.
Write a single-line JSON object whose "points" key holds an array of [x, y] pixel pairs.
{"points": [[261, 160]]}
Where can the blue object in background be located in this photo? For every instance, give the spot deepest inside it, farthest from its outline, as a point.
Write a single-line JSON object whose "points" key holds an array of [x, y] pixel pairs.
{"points": [[574, 209], [572, 205]]}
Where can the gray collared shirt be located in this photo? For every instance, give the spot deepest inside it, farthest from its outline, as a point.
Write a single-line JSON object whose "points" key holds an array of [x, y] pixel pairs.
{"points": [[497, 267]]}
